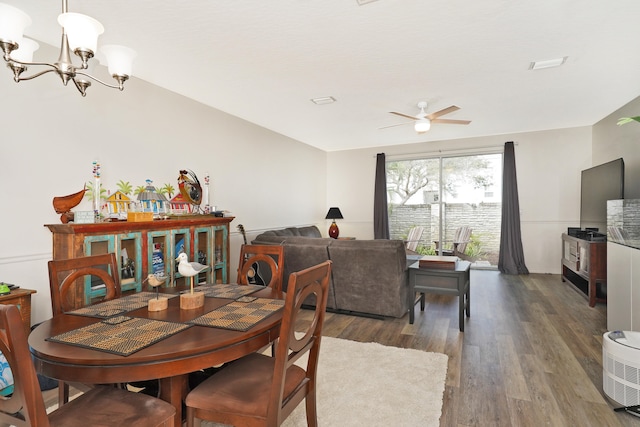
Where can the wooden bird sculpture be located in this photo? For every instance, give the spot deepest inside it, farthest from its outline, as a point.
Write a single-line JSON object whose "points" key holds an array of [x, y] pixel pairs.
{"points": [[64, 204], [190, 187], [189, 269], [155, 281]]}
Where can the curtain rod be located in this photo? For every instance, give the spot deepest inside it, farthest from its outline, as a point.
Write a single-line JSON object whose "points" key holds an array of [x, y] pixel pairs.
{"points": [[449, 151]]}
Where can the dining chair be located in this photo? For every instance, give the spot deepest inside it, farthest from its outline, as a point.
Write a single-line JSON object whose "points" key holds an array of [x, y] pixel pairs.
{"points": [[259, 390], [100, 406], [64, 276], [261, 265]]}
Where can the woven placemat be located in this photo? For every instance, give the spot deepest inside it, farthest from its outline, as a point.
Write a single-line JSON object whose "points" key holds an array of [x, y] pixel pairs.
{"points": [[240, 315], [118, 306], [228, 291], [121, 335]]}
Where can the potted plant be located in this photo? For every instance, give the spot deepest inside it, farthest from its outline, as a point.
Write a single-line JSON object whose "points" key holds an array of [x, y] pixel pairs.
{"points": [[624, 120]]}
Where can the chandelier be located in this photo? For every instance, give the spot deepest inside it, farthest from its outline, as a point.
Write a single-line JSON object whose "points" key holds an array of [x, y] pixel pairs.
{"points": [[79, 35]]}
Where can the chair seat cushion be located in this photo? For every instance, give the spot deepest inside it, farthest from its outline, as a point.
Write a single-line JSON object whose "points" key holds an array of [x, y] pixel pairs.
{"points": [[242, 387], [111, 406]]}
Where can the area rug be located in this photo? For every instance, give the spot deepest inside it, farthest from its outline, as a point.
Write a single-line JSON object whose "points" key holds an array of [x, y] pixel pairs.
{"points": [[368, 384]]}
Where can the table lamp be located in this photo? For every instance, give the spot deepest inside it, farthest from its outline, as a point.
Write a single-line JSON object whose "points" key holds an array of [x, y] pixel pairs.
{"points": [[333, 214]]}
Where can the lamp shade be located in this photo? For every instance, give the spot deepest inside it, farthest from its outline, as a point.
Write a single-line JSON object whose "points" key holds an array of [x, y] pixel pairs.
{"points": [[24, 53], [334, 213], [13, 21], [82, 30], [119, 59], [422, 125]]}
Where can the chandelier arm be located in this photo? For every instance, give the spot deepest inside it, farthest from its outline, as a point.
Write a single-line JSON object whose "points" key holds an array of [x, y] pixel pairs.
{"points": [[27, 64], [37, 74], [79, 73]]}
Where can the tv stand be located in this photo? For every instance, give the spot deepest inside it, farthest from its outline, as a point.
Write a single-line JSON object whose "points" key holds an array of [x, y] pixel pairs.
{"points": [[584, 265]]}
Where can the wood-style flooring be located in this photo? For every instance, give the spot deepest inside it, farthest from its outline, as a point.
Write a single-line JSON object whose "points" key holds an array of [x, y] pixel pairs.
{"points": [[531, 353]]}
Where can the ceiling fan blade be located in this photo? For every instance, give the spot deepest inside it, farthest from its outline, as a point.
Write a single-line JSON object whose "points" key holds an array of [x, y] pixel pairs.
{"points": [[451, 121], [443, 112], [404, 115], [399, 124]]}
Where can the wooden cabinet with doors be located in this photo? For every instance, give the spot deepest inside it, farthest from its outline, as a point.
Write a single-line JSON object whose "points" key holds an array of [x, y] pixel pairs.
{"points": [[142, 247]]}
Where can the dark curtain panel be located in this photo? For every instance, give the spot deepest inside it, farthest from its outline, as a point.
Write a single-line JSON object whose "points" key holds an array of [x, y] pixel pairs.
{"points": [[380, 212], [511, 258]]}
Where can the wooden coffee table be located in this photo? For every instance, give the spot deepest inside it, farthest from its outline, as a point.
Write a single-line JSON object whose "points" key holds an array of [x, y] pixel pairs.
{"points": [[440, 281]]}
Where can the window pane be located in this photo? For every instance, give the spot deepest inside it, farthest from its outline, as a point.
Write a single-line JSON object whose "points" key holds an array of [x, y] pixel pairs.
{"points": [[467, 199]]}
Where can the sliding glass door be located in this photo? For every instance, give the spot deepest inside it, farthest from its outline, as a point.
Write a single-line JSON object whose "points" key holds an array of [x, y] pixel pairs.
{"points": [[456, 197]]}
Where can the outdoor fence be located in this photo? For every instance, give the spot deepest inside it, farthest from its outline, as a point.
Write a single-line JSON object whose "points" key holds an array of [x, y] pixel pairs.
{"points": [[483, 218]]}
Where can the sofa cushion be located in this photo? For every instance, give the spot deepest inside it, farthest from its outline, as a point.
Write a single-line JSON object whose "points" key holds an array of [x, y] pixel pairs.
{"points": [[310, 231], [301, 255], [268, 239], [270, 236]]}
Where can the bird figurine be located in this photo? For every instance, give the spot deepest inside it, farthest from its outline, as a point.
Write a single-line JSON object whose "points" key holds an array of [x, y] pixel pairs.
{"points": [[189, 269], [190, 187], [64, 204], [155, 281]]}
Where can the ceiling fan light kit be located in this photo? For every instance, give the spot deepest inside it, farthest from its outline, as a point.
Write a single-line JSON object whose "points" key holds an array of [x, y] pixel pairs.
{"points": [[79, 35], [422, 125], [423, 120]]}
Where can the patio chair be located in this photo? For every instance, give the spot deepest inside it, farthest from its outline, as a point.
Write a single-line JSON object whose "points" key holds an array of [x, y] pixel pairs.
{"points": [[461, 238], [413, 238]]}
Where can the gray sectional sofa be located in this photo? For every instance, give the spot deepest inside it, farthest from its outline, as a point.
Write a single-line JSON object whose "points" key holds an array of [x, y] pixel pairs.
{"points": [[368, 276]]}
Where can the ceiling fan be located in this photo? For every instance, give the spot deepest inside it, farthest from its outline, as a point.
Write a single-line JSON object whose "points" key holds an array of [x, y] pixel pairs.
{"points": [[423, 120]]}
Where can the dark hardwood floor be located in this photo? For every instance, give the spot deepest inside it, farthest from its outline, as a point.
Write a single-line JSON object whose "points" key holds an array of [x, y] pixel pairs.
{"points": [[531, 353]]}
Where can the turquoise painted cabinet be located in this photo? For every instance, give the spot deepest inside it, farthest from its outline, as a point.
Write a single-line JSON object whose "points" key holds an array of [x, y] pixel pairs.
{"points": [[146, 247]]}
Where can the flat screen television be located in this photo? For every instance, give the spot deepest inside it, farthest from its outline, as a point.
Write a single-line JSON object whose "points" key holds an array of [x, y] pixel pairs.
{"points": [[599, 184]]}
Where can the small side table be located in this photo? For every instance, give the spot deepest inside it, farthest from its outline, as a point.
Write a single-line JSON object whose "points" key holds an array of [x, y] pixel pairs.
{"points": [[440, 281], [21, 298]]}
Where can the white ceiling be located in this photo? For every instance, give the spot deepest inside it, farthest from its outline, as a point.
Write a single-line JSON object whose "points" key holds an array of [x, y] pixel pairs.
{"points": [[263, 60]]}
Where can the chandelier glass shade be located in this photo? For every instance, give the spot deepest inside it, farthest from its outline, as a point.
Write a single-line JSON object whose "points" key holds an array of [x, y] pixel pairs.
{"points": [[79, 36]]}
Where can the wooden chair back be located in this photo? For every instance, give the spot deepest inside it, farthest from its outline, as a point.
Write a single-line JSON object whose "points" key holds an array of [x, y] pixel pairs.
{"points": [[294, 343], [461, 238], [413, 239], [64, 275], [256, 259], [64, 282], [259, 390], [99, 406], [25, 407]]}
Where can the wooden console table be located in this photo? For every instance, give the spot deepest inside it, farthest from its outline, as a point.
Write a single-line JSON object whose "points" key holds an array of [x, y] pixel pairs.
{"points": [[21, 298]]}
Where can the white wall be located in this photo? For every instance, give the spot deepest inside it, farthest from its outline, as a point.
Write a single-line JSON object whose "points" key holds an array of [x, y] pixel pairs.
{"points": [[548, 165], [611, 142], [51, 136]]}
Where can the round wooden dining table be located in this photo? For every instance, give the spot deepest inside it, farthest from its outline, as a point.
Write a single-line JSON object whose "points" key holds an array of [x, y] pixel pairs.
{"points": [[169, 360]]}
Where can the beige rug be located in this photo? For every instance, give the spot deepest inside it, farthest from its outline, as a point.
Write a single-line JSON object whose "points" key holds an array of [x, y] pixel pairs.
{"points": [[368, 384]]}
